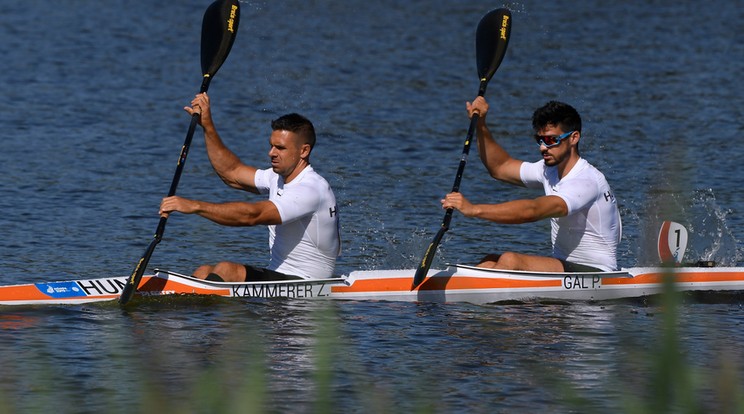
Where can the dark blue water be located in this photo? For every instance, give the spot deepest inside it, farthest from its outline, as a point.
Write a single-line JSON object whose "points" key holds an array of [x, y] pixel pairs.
{"points": [[93, 124]]}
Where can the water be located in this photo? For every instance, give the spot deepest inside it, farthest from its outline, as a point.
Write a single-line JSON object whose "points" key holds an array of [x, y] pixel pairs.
{"points": [[93, 123]]}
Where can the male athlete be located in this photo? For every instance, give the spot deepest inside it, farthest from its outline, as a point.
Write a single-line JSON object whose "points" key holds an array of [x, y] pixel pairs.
{"points": [[301, 212], [585, 221]]}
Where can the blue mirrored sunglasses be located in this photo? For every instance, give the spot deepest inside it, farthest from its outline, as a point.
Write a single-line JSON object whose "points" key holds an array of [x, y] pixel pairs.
{"points": [[551, 140]]}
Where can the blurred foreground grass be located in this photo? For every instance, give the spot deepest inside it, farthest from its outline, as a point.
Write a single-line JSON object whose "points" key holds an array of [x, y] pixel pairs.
{"points": [[673, 384], [668, 381]]}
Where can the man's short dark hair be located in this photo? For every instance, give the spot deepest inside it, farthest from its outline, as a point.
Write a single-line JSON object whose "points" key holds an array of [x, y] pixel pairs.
{"points": [[298, 124], [556, 113]]}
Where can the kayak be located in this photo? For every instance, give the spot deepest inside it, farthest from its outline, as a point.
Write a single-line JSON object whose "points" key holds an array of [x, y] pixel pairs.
{"points": [[455, 283]]}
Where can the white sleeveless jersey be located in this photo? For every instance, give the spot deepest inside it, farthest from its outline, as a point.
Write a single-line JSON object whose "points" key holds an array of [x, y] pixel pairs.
{"points": [[307, 242], [590, 233]]}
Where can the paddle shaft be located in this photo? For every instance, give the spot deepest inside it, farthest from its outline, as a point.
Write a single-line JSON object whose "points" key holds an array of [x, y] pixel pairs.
{"points": [[464, 157], [182, 159], [461, 168]]}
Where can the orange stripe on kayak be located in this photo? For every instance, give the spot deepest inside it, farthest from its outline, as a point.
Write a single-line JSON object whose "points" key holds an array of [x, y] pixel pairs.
{"points": [[160, 285], [681, 277], [22, 292], [442, 283], [399, 284]]}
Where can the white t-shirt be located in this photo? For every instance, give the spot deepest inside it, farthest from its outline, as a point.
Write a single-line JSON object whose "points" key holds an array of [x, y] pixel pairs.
{"points": [[307, 242], [590, 233]]}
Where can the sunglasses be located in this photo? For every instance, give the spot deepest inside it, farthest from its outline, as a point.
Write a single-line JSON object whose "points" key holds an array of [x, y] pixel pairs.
{"points": [[551, 141]]}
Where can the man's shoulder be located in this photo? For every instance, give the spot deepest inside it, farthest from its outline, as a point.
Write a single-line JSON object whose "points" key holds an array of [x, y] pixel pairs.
{"points": [[536, 167], [588, 169], [265, 178], [312, 177]]}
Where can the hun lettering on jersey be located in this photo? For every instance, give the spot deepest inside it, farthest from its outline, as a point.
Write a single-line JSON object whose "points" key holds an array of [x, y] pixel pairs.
{"points": [[609, 196]]}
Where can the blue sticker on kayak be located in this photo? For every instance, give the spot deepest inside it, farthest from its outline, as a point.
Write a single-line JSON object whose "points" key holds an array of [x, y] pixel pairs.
{"points": [[60, 289]]}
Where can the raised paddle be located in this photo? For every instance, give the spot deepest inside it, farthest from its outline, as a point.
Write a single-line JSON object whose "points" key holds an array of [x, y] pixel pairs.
{"points": [[219, 28], [491, 40]]}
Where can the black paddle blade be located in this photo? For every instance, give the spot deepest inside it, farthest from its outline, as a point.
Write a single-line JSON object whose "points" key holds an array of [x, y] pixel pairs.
{"points": [[219, 27], [491, 40], [425, 264]]}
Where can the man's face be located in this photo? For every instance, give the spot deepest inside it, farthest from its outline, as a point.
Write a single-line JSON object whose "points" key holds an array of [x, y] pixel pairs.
{"points": [[554, 155], [286, 152]]}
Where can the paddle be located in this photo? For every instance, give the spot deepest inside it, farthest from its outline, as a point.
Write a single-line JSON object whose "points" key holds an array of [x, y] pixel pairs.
{"points": [[219, 28], [491, 39]]}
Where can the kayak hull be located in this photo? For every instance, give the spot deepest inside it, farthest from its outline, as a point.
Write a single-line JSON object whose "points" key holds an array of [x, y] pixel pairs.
{"points": [[455, 283]]}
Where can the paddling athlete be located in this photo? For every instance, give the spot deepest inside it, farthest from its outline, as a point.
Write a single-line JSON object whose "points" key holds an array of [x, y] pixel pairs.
{"points": [[301, 211], [585, 221]]}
